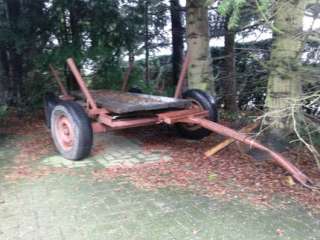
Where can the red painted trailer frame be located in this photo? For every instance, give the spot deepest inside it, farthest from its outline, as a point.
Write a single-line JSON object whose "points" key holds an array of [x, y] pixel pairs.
{"points": [[104, 119]]}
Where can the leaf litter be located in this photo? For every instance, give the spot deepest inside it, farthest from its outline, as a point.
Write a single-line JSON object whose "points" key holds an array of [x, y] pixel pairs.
{"points": [[229, 174]]}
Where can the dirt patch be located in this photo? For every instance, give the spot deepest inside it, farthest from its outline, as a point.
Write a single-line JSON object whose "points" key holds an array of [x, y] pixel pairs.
{"points": [[22, 126]]}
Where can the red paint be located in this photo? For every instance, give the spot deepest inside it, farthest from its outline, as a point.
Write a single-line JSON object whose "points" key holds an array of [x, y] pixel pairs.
{"points": [[64, 91], [81, 83], [98, 127], [65, 132], [127, 123], [182, 76]]}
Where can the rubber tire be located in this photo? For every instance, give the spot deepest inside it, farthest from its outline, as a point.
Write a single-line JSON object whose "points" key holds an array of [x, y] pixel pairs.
{"points": [[207, 102], [50, 101], [81, 125], [135, 90]]}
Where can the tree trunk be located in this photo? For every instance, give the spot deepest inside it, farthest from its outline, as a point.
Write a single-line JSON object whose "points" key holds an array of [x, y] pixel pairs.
{"points": [[146, 42], [4, 77], [177, 39], [284, 83], [200, 73], [64, 28], [74, 26], [16, 77], [76, 41], [229, 84], [14, 58]]}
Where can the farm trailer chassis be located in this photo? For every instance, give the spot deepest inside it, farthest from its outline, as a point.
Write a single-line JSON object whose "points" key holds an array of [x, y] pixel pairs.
{"points": [[74, 117]]}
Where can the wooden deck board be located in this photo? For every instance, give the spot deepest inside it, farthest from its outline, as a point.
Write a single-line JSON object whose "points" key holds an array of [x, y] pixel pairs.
{"points": [[123, 102]]}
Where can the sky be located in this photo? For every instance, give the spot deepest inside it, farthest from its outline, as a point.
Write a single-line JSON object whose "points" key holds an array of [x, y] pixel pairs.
{"points": [[255, 36]]}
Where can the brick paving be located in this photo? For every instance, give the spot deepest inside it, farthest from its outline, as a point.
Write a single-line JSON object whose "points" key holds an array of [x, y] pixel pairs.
{"points": [[61, 206]]}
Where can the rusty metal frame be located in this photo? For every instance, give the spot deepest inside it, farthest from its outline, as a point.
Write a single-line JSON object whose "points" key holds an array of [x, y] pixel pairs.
{"points": [[181, 81], [102, 120], [91, 102], [182, 77], [65, 94], [125, 81]]}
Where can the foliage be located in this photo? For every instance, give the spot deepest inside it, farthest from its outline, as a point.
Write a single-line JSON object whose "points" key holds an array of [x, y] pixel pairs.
{"points": [[24, 32], [242, 12], [231, 8], [96, 33], [3, 111], [251, 76]]}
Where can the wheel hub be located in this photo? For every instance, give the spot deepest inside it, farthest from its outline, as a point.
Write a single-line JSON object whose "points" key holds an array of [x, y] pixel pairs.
{"points": [[65, 132]]}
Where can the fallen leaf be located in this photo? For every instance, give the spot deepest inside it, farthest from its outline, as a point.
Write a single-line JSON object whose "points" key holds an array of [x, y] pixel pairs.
{"points": [[289, 180], [212, 176], [280, 232]]}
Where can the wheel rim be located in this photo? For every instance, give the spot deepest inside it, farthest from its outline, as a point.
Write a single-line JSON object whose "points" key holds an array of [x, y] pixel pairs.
{"points": [[65, 132]]}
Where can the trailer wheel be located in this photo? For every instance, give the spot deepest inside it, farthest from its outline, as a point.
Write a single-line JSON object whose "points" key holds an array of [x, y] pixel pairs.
{"points": [[50, 101], [135, 90], [206, 102], [71, 130]]}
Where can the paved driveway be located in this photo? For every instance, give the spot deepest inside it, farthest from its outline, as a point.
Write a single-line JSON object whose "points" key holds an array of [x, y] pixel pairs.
{"points": [[55, 199]]}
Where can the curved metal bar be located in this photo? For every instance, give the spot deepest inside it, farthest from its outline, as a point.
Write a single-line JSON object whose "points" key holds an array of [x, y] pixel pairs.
{"points": [[228, 132]]}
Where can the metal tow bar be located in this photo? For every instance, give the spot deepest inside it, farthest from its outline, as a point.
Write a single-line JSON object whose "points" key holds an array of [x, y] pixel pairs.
{"points": [[228, 132]]}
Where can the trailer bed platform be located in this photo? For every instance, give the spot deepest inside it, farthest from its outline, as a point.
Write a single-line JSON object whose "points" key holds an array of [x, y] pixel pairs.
{"points": [[124, 102]]}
